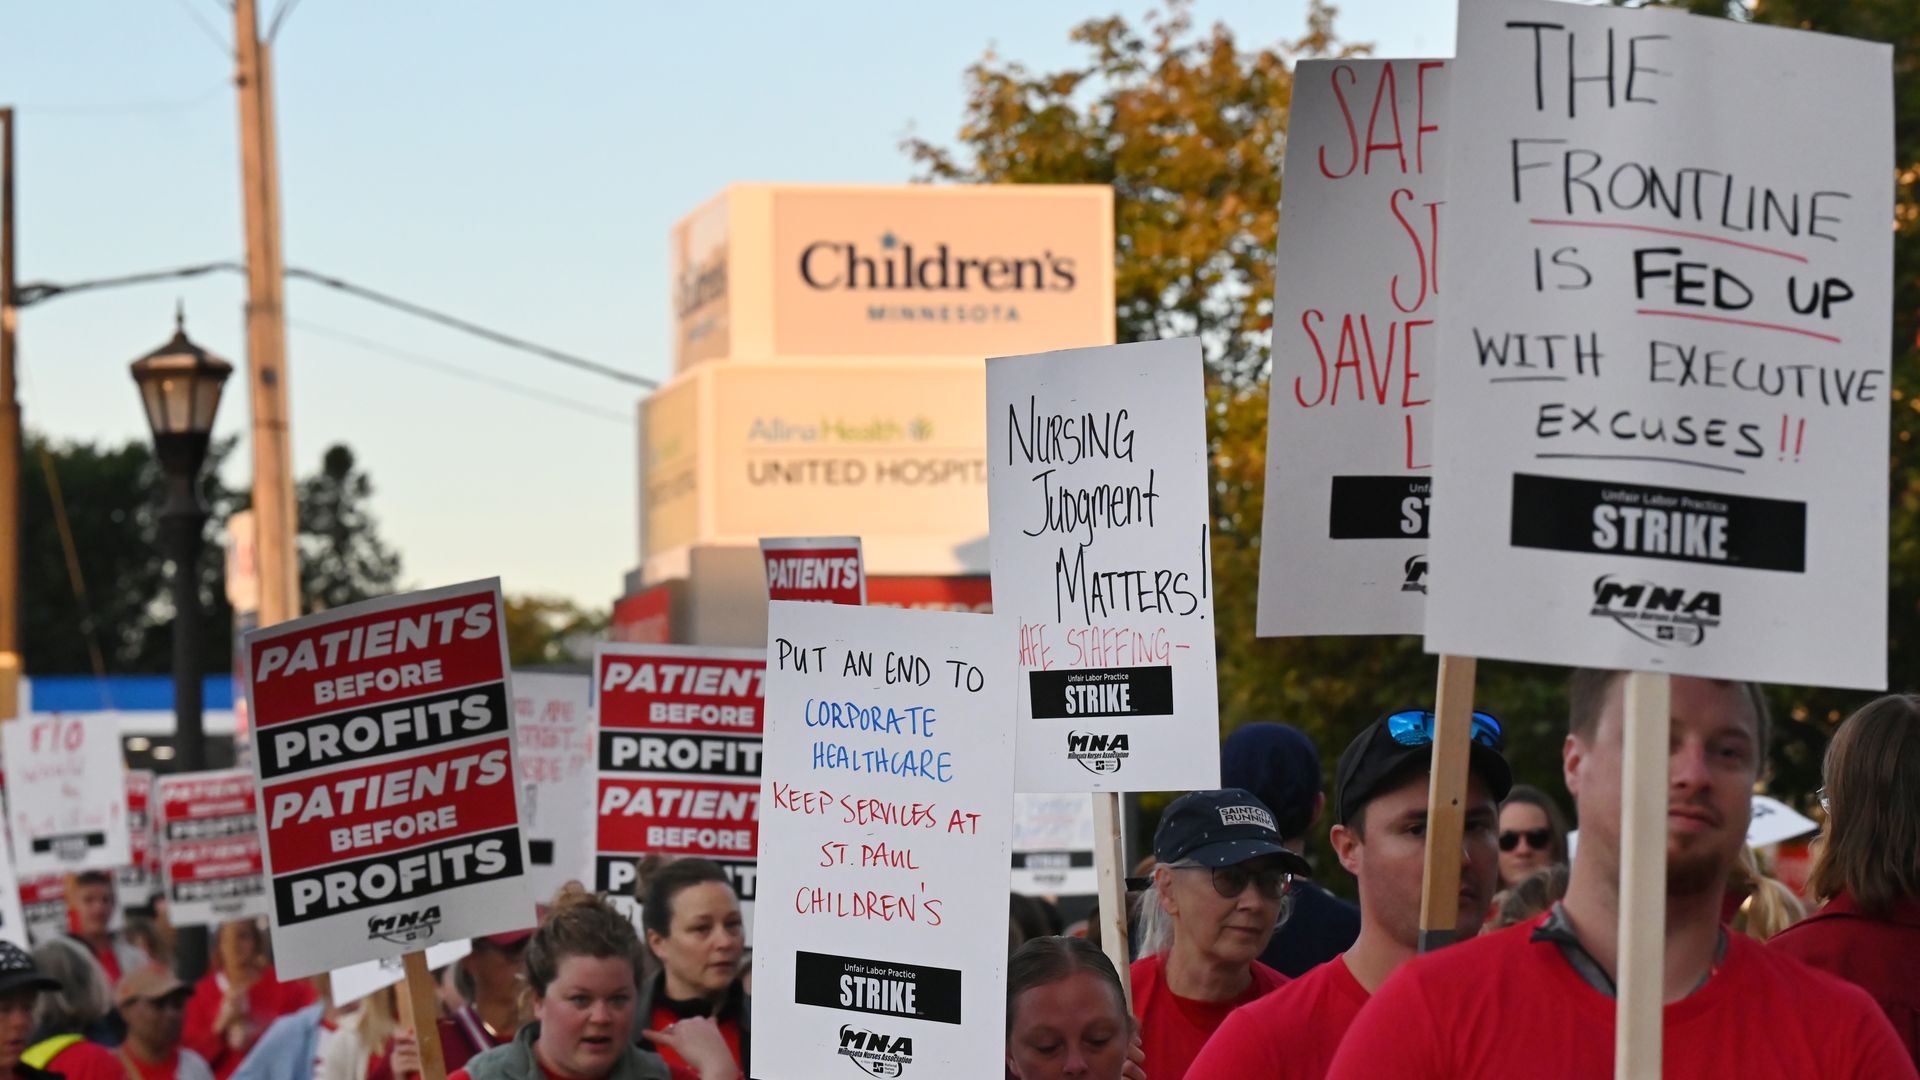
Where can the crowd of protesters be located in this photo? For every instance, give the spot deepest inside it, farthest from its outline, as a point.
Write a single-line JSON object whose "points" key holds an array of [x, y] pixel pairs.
{"points": [[1242, 965]]}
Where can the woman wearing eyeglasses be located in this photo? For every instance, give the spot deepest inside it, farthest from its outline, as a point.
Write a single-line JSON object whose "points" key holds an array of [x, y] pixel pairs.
{"points": [[1219, 889], [1533, 834]]}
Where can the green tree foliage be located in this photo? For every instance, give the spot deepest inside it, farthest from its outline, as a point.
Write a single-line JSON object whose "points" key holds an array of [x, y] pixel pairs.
{"points": [[1189, 128], [548, 630], [111, 496]]}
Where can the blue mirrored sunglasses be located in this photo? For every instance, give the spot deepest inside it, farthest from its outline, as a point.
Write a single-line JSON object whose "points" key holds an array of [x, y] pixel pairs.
{"points": [[1414, 727]]}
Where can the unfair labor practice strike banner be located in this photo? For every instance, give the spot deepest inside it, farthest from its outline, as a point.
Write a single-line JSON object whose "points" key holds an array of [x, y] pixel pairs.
{"points": [[825, 569], [1097, 495], [553, 729], [210, 847], [1343, 541], [1661, 428], [1053, 845], [66, 793], [887, 795], [679, 760], [384, 753]]}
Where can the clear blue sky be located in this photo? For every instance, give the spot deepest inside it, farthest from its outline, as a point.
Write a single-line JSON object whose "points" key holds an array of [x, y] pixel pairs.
{"points": [[519, 164]]}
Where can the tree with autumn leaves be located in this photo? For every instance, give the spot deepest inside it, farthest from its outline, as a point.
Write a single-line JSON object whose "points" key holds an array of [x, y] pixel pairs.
{"points": [[1188, 127]]}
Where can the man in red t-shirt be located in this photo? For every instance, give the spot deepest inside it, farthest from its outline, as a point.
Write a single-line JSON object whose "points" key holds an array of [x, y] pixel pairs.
{"points": [[1537, 999], [154, 1004], [1380, 803], [90, 906]]}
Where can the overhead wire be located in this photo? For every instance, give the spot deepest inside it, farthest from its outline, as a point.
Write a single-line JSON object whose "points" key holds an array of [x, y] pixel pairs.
{"points": [[213, 35], [280, 16]]}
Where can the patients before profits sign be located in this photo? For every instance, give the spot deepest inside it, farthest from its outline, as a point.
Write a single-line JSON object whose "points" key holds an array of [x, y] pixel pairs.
{"points": [[887, 796], [679, 759], [1661, 428], [384, 753], [66, 793], [1343, 545], [210, 847], [826, 569], [1097, 494]]}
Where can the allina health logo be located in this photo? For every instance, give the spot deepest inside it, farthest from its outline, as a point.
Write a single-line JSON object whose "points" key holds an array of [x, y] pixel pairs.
{"points": [[918, 282]]}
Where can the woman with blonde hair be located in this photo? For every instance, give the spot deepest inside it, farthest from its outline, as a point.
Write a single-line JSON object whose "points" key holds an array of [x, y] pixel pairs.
{"points": [[1866, 868], [1767, 905], [238, 997]]}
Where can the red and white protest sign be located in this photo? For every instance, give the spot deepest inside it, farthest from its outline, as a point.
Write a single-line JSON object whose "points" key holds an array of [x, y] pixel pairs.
{"points": [[384, 755], [553, 723], [43, 904], [210, 847], [136, 881], [823, 569], [66, 793], [679, 759]]}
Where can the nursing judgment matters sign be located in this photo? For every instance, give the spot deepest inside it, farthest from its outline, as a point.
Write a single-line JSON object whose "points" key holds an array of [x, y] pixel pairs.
{"points": [[384, 755], [1661, 421]]}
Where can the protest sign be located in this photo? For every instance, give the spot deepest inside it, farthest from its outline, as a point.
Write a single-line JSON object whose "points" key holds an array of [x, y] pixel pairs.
{"points": [[825, 569], [137, 881], [210, 847], [887, 793], [384, 754], [1097, 494], [1053, 845], [13, 917], [1774, 821], [553, 734], [355, 981], [66, 793], [43, 907], [1661, 428], [679, 760], [1343, 540]]}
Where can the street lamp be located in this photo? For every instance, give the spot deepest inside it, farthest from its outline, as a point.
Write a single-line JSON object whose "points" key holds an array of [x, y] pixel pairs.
{"points": [[180, 386]]}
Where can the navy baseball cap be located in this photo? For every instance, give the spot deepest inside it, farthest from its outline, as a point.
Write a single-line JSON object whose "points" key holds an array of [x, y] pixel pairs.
{"points": [[1221, 828], [1280, 766], [1377, 760], [19, 972]]}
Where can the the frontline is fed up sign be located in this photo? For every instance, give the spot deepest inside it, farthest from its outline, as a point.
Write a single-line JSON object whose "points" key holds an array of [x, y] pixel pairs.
{"points": [[385, 763]]}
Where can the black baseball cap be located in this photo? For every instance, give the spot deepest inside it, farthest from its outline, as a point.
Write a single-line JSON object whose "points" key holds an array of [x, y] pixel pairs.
{"points": [[1221, 828], [1376, 761], [1279, 764], [19, 972]]}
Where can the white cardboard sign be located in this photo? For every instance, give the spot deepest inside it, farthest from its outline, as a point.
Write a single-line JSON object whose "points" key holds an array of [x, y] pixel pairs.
{"points": [[384, 746], [553, 729], [210, 847], [1662, 432], [824, 569], [885, 814], [1101, 547], [356, 981], [66, 793], [13, 919], [1053, 845], [1774, 821], [1343, 539]]}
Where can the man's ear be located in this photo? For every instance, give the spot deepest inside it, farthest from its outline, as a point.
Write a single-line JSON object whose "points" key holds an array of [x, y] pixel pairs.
{"points": [[1572, 755], [1346, 847]]}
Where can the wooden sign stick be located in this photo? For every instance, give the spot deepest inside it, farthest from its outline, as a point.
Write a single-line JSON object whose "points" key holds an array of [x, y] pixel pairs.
{"points": [[1109, 862], [1447, 802], [1641, 980], [420, 1010]]}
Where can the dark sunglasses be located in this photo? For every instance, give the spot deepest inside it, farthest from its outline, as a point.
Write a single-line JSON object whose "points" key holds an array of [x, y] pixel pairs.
{"points": [[1414, 727], [1537, 839], [1271, 878]]}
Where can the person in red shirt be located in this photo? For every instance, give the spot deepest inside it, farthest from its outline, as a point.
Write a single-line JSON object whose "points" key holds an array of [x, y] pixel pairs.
{"points": [[1537, 999], [21, 984], [154, 1004], [489, 979], [1381, 806], [90, 907], [236, 1000], [693, 927], [1220, 877], [1867, 868], [70, 1021]]}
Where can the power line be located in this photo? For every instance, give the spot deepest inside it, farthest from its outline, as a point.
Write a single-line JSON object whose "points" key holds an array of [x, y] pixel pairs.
{"points": [[206, 28], [458, 372], [280, 16]]}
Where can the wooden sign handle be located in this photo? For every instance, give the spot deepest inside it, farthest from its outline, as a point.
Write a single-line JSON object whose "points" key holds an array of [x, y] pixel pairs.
{"points": [[1109, 862], [1641, 980], [1447, 802], [420, 1010]]}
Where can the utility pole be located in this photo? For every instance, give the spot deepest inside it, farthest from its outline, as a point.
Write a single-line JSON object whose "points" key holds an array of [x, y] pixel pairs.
{"points": [[273, 496], [9, 443]]}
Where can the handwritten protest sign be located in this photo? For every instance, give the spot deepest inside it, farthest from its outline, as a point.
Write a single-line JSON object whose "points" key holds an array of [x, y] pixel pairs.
{"points": [[553, 728], [140, 878], [384, 755], [886, 794], [825, 569], [66, 793], [679, 759], [1097, 495], [1661, 431], [1349, 471], [210, 847], [1053, 845]]}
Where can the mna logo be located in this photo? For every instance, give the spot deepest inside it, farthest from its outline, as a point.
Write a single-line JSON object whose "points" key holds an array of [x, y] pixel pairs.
{"points": [[1097, 754], [1661, 614], [1416, 579], [874, 1053], [406, 928]]}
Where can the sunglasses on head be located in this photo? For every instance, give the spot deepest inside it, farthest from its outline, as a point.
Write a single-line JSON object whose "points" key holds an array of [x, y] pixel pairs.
{"points": [[1537, 839], [1270, 878], [1414, 727]]}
